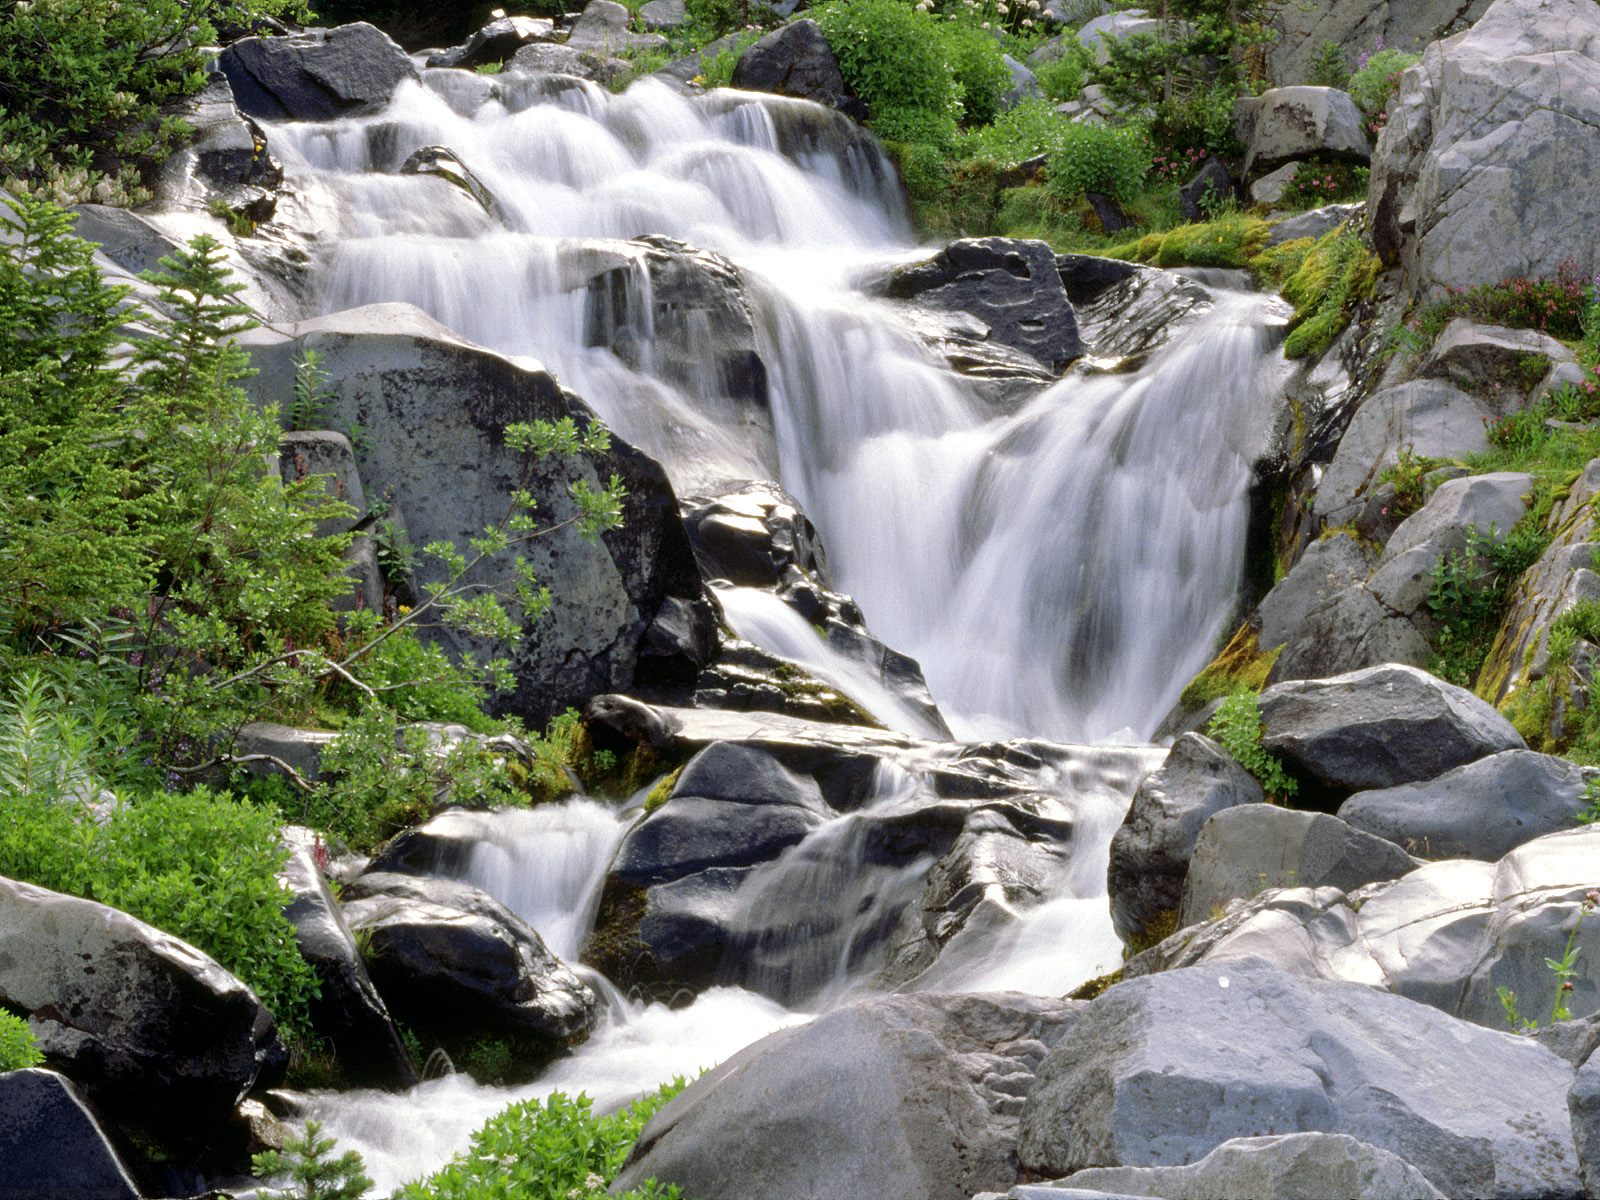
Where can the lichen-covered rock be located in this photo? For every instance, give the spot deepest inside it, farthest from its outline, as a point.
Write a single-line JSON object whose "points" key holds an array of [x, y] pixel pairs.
{"points": [[1289, 123], [1496, 364]]}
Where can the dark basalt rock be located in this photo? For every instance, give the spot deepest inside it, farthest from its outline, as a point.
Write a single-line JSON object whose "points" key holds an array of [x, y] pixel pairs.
{"points": [[317, 74], [795, 60], [51, 1144]]}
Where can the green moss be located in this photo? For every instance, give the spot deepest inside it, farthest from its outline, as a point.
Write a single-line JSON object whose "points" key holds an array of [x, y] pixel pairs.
{"points": [[1240, 664], [1231, 241], [1334, 275], [1096, 987], [662, 790], [1157, 930]]}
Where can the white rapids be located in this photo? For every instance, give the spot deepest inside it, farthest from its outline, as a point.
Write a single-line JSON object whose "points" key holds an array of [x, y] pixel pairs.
{"points": [[1059, 571]]}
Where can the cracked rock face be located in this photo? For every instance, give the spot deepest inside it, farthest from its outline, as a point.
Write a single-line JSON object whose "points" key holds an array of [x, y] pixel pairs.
{"points": [[1489, 166]]}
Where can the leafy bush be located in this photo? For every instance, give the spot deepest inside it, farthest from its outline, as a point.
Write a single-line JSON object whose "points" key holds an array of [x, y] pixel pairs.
{"points": [[1557, 305], [1236, 726], [894, 57], [1062, 79], [1375, 83], [84, 86], [1111, 160], [554, 1150], [1329, 66], [1318, 183], [17, 1046], [1468, 594], [978, 64]]}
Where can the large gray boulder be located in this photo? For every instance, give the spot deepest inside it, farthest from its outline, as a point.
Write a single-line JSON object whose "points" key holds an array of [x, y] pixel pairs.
{"points": [[629, 607], [497, 41], [348, 1012], [794, 60], [448, 957], [1500, 365], [1450, 934], [1094, 34], [52, 1146], [1583, 1102], [1162, 1070], [1291, 1166], [1150, 852], [1290, 123], [1243, 851], [1013, 286], [1430, 417], [318, 74], [1483, 810], [145, 1023], [1329, 566], [1358, 27], [896, 1096], [603, 26], [1487, 167], [1379, 727], [1351, 632]]}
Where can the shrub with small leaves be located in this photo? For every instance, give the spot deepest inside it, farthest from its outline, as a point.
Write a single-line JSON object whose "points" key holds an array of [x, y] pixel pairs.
{"points": [[1375, 83], [1111, 160], [316, 1174], [1236, 726], [894, 57], [18, 1049]]}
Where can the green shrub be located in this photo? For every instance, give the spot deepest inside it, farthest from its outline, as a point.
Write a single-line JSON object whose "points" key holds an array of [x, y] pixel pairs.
{"points": [[895, 59], [554, 1150], [1468, 594], [716, 70], [1111, 160], [1375, 82], [308, 1160], [1318, 183], [981, 76], [18, 1049], [1062, 79], [1236, 726], [1329, 66]]}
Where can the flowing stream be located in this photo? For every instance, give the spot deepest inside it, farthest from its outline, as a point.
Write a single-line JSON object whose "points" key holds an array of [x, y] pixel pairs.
{"points": [[1060, 571]]}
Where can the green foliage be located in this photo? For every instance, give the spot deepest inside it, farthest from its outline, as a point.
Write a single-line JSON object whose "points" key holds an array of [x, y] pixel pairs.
{"points": [[1318, 183], [640, 63], [1062, 79], [1236, 726], [1559, 305], [1111, 160], [894, 57], [1563, 968], [978, 64], [1591, 809], [1233, 240], [86, 88], [716, 70], [18, 1049], [309, 407], [1409, 476], [1374, 83], [1469, 591], [308, 1161], [1337, 273], [1329, 66], [551, 1150]]}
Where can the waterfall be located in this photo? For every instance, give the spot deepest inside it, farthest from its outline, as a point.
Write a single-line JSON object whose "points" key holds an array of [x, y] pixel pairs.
{"points": [[1059, 571]]}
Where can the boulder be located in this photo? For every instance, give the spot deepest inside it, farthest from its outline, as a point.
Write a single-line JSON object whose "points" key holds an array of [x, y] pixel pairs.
{"points": [[1290, 123], [435, 409], [145, 1023], [1211, 186], [497, 41], [1329, 565], [1243, 851], [348, 1013], [1269, 189], [1430, 417], [1116, 27], [317, 74], [1495, 364], [1313, 223], [52, 1146], [442, 163], [1379, 727], [894, 1096], [267, 747], [1024, 85], [1150, 852], [1161, 1070], [226, 158], [1351, 632], [754, 537], [1358, 27], [543, 58], [327, 456], [1583, 1102], [1291, 1166], [1012, 286], [1483, 810], [447, 956], [603, 26], [794, 60], [663, 16], [1486, 168], [1088, 276], [1451, 934]]}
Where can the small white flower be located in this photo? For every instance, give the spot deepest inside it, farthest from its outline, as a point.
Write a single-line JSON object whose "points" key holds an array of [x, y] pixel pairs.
{"points": [[1027, 22], [1001, 9]]}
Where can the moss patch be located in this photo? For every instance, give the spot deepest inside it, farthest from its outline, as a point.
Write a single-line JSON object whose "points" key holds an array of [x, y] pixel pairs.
{"points": [[1231, 241], [1157, 930], [1335, 274], [1096, 987], [1240, 664], [662, 790]]}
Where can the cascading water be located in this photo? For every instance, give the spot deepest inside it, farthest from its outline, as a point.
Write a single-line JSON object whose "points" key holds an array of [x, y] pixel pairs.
{"points": [[1059, 571]]}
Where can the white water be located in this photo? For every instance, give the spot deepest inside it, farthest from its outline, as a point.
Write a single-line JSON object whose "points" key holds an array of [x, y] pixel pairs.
{"points": [[1059, 572]]}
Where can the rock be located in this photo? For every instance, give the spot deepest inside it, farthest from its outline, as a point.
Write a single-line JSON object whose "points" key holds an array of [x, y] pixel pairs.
{"points": [[542, 58], [1024, 85], [1486, 504], [663, 16], [1116, 27], [692, 834], [1293, 1166], [1269, 189], [443, 163], [1161, 1070], [497, 41], [434, 408], [225, 158], [1108, 213], [692, 66], [1142, 312], [754, 537], [1150, 853], [1313, 223], [1486, 168], [1088, 276], [1451, 934], [1495, 364], [1358, 27], [1211, 186], [1583, 1102], [1290, 123], [262, 742], [1012, 286], [603, 26], [326, 455], [1243, 851], [1432, 418], [1328, 566], [1351, 632], [144, 1023], [52, 1146], [1379, 727], [348, 1013], [1483, 810], [894, 1096], [1573, 1040], [318, 74], [447, 956], [794, 60]]}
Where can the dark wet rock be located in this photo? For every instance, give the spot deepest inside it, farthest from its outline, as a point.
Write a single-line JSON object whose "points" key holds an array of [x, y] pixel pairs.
{"points": [[318, 74], [442, 162], [794, 60], [52, 1145], [497, 41], [1211, 187]]}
